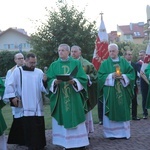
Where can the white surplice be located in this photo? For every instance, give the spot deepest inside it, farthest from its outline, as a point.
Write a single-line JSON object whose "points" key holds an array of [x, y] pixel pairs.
{"points": [[89, 122], [69, 138], [31, 99], [9, 72]]}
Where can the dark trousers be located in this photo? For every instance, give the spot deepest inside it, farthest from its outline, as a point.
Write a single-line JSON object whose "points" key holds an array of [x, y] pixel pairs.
{"points": [[134, 104], [100, 110], [144, 92]]}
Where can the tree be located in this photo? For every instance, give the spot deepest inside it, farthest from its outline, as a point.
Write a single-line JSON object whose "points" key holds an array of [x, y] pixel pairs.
{"points": [[7, 61], [135, 48], [67, 25]]}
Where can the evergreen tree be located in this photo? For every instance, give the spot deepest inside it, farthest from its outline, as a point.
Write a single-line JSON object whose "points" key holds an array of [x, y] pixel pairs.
{"points": [[64, 25]]}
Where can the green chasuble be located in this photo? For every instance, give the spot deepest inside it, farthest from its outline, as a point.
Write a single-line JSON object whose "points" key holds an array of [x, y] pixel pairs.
{"points": [[117, 98], [147, 73], [92, 90], [2, 121], [68, 107]]}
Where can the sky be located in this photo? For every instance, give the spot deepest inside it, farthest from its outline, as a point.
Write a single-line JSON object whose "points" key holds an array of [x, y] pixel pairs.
{"points": [[29, 14]]}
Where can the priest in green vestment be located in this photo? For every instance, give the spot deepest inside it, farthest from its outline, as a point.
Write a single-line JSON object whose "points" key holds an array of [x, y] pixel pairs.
{"points": [[147, 73], [115, 88], [2, 121], [68, 100], [91, 73]]}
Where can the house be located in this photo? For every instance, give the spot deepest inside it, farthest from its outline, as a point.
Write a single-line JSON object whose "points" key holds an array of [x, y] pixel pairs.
{"points": [[113, 37], [14, 39], [134, 32]]}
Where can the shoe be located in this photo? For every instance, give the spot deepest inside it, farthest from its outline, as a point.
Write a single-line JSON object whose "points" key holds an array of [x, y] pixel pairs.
{"points": [[21, 144], [135, 118], [101, 123], [35, 148], [112, 138], [145, 117], [31, 148], [82, 148]]}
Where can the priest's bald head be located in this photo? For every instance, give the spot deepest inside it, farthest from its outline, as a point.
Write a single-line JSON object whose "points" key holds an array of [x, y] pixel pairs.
{"points": [[19, 59], [113, 50], [63, 51]]}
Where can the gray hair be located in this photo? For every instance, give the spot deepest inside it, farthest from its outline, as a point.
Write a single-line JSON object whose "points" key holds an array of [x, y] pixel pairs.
{"points": [[76, 47], [142, 51], [15, 56], [113, 45], [66, 46]]}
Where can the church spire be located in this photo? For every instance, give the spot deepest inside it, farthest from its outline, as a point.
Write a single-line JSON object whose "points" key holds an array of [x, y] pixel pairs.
{"points": [[101, 15]]}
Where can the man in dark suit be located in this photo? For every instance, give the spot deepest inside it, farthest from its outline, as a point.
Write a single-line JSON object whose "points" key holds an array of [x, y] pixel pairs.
{"points": [[143, 84], [128, 57]]}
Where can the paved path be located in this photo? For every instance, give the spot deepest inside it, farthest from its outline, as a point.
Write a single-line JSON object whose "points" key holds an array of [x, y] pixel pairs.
{"points": [[140, 139]]}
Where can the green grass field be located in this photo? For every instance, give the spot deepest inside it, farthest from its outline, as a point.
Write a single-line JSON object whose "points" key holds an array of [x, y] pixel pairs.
{"points": [[8, 114]]}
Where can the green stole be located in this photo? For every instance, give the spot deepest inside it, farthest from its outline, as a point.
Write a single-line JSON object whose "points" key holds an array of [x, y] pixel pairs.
{"points": [[117, 97], [68, 107], [2, 104]]}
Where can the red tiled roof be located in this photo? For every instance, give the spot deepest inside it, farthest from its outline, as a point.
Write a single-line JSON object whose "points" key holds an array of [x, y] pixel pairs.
{"points": [[133, 29]]}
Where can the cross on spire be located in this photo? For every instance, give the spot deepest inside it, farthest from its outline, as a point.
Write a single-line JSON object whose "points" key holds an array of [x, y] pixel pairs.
{"points": [[101, 15]]}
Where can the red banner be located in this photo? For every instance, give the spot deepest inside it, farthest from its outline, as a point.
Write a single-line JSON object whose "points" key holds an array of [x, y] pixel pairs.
{"points": [[101, 46], [100, 53]]}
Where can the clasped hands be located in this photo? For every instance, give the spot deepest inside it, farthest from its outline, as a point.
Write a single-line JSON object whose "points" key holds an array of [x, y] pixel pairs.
{"points": [[116, 76]]}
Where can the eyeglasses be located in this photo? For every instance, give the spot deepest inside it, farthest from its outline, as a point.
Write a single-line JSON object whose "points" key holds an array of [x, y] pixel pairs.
{"points": [[20, 58]]}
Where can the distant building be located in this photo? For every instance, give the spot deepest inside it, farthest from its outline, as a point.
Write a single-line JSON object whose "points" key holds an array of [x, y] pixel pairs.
{"points": [[113, 37], [128, 33], [14, 39]]}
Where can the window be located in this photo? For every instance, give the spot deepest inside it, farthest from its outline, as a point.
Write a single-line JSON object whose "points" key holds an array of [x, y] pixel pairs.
{"points": [[5, 46], [127, 36], [28, 45], [23, 45], [136, 33], [11, 46]]}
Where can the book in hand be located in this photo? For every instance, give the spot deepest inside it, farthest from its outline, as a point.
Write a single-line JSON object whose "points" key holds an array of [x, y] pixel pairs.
{"points": [[67, 77]]}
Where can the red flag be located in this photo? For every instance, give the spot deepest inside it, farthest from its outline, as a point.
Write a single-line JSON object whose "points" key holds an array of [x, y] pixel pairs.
{"points": [[101, 46]]}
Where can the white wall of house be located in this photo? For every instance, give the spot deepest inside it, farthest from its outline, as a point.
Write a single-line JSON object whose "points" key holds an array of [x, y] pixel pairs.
{"points": [[128, 38], [14, 41], [138, 40]]}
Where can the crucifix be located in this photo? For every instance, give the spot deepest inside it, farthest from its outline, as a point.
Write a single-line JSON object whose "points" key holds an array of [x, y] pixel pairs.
{"points": [[101, 15]]}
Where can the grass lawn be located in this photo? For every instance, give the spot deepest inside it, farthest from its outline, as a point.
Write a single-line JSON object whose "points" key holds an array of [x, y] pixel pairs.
{"points": [[8, 114]]}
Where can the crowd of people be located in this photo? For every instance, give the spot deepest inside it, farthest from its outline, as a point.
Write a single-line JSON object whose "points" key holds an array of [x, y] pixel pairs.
{"points": [[74, 88]]}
